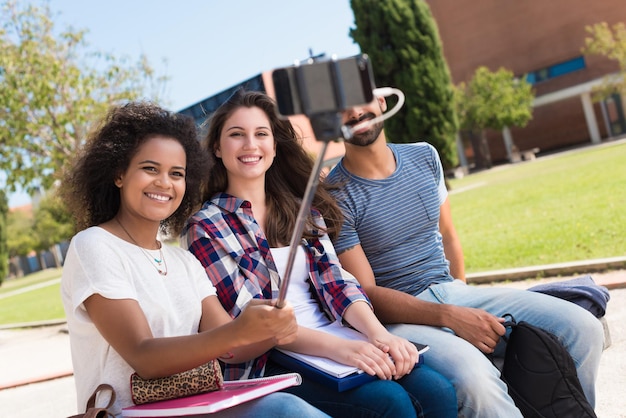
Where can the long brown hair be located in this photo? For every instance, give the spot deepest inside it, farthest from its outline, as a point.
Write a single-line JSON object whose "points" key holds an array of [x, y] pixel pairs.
{"points": [[286, 179]]}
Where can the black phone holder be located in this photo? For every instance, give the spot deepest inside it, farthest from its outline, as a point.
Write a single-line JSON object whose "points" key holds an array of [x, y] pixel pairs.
{"points": [[321, 89], [326, 127]]}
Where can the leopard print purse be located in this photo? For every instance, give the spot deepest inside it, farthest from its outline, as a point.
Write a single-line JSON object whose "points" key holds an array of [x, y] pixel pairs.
{"points": [[205, 378]]}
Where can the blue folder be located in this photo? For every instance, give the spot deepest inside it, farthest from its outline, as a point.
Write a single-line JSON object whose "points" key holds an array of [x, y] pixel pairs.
{"points": [[316, 375]]}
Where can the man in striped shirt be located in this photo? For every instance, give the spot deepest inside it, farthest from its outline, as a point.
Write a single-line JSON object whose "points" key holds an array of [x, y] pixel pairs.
{"points": [[399, 240]]}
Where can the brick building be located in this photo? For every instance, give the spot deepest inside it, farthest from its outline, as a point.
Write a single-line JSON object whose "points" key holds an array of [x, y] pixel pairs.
{"points": [[541, 40], [538, 39]]}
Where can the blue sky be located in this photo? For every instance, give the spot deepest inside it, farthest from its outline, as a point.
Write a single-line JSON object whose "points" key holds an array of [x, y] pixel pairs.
{"points": [[206, 46]]}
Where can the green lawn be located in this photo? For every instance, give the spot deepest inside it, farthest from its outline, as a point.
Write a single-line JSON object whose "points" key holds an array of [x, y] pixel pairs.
{"points": [[569, 207], [40, 304], [36, 305], [564, 208], [31, 279]]}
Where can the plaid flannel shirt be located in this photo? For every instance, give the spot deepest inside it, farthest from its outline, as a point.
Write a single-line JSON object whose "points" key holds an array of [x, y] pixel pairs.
{"points": [[225, 237]]}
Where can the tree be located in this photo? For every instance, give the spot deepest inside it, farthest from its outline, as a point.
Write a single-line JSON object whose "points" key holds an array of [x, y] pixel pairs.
{"points": [[402, 41], [465, 110], [4, 252], [21, 239], [492, 100], [40, 231], [20, 236], [611, 43], [52, 224], [51, 89]]}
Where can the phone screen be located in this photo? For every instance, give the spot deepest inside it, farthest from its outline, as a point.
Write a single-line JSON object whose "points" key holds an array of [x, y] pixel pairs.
{"points": [[323, 86]]}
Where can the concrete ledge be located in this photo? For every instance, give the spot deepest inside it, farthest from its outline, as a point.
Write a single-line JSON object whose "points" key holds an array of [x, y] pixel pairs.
{"points": [[561, 269], [35, 324], [38, 379]]}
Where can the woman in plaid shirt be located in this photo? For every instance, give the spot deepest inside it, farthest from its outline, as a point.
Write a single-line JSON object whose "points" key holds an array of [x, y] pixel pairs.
{"points": [[241, 236]]}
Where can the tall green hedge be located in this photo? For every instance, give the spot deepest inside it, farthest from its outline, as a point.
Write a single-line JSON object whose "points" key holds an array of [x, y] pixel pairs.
{"points": [[4, 252], [402, 41]]}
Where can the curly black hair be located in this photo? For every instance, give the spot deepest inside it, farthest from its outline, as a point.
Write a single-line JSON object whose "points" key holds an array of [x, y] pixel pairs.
{"points": [[88, 185]]}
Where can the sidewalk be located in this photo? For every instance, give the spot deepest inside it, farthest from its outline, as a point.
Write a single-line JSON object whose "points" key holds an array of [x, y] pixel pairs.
{"points": [[32, 355], [36, 376], [36, 370]]}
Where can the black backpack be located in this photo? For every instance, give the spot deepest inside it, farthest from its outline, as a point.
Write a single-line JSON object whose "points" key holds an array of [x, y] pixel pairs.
{"points": [[541, 375]]}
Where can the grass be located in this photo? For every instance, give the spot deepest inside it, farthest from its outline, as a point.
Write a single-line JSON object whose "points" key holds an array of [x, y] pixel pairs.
{"points": [[568, 207], [39, 304], [35, 305], [31, 279]]}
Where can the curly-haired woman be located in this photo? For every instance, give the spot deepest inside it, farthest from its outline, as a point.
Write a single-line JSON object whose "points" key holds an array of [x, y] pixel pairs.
{"points": [[132, 303]]}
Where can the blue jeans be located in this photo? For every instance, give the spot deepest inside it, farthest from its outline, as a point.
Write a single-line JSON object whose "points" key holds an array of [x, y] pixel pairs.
{"points": [[274, 405], [422, 393], [479, 389]]}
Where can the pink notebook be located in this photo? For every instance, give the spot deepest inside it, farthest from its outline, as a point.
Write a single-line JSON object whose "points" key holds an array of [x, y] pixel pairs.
{"points": [[233, 393]]}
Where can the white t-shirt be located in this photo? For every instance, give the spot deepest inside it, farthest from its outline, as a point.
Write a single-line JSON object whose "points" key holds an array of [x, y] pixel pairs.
{"points": [[98, 262], [306, 308]]}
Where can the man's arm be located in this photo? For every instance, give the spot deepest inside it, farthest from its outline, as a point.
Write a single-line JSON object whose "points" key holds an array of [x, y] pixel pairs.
{"points": [[451, 243], [477, 326], [391, 306]]}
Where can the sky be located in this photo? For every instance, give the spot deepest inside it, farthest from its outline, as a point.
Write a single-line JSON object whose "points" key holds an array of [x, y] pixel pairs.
{"points": [[206, 46]]}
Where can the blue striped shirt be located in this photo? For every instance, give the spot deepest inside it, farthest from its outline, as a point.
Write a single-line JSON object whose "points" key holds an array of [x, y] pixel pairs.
{"points": [[396, 220]]}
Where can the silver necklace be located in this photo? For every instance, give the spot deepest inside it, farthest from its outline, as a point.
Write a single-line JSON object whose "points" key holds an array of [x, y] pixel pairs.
{"points": [[159, 264]]}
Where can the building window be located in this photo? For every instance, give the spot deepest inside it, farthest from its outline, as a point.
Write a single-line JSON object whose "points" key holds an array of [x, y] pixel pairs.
{"points": [[556, 70]]}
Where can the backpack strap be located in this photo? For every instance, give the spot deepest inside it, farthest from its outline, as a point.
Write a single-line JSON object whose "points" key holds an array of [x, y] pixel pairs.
{"points": [[509, 322]]}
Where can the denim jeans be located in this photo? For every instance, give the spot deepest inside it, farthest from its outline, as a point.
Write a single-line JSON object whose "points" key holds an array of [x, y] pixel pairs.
{"points": [[274, 405], [422, 393], [480, 391]]}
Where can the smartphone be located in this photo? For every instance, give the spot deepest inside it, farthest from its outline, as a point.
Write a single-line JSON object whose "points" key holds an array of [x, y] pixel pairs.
{"points": [[324, 86]]}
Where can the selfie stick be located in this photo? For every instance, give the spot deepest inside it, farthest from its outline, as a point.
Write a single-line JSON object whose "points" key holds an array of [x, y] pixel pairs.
{"points": [[327, 127], [299, 227]]}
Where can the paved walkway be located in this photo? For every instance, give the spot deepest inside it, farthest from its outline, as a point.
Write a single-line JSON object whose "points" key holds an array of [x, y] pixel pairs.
{"points": [[36, 376]]}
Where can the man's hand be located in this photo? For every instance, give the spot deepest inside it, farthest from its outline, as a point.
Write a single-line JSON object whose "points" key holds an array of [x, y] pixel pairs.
{"points": [[478, 327]]}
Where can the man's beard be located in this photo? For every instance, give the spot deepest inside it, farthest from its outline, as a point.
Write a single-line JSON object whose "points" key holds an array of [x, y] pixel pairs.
{"points": [[368, 137]]}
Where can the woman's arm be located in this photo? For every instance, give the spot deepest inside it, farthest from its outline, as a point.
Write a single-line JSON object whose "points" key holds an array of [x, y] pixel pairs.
{"points": [[403, 352], [215, 316], [122, 323], [357, 353]]}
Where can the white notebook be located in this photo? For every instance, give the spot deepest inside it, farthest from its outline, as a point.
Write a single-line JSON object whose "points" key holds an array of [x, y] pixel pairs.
{"points": [[332, 367]]}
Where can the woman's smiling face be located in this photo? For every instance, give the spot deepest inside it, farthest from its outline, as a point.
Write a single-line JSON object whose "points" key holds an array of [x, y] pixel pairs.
{"points": [[247, 147], [153, 185]]}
